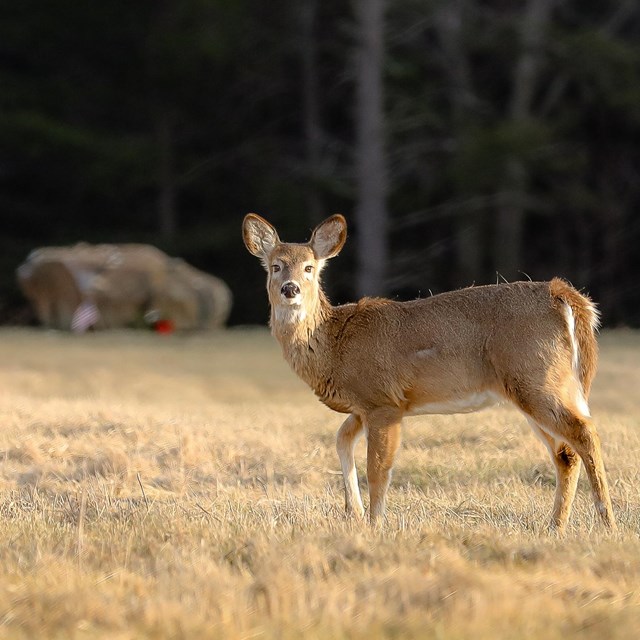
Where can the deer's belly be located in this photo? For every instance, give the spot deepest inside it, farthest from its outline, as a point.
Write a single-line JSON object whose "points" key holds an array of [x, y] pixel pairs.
{"points": [[463, 404]]}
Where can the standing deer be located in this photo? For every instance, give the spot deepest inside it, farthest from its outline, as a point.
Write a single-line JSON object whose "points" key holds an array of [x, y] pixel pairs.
{"points": [[531, 343]]}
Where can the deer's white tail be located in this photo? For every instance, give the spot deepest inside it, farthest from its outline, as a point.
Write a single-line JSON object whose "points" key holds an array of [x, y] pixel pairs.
{"points": [[583, 321]]}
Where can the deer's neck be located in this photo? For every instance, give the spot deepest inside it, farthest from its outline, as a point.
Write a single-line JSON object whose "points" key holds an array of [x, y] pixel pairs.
{"points": [[303, 335], [295, 326]]}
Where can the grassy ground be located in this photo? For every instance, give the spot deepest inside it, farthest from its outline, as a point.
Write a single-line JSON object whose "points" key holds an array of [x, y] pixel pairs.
{"points": [[188, 487]]}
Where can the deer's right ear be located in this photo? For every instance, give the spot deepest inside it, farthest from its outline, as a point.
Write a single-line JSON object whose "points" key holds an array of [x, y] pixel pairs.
{"points": [[259, 236]]}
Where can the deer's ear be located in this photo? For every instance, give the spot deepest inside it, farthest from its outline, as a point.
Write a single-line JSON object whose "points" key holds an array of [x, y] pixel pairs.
{"points": [[259, 237], [329, 237]]}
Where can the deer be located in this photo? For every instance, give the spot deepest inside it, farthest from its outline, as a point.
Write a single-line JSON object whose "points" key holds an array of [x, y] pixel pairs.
{"points": [[531, 344]]}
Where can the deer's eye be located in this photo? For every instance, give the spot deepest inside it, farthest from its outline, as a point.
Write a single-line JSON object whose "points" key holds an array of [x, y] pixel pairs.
{"points": [[275, 267], [308, 268]]}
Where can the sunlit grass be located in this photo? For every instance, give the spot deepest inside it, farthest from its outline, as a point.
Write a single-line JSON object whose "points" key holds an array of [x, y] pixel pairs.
{"points": [[188, 487]]}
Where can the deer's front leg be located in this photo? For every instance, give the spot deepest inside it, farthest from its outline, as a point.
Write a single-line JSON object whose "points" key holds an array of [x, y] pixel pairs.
{"points": [[346, 440], [383, 440]]}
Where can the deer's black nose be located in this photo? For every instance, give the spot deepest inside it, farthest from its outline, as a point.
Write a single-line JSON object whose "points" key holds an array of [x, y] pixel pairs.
{"points": [[290, 290]]}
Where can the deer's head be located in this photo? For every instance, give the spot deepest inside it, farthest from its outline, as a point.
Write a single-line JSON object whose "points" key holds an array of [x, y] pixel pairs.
{"points": [[293, 270]]}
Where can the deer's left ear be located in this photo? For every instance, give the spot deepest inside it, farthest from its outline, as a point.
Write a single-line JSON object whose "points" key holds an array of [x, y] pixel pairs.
{"points": [[329, 237]]}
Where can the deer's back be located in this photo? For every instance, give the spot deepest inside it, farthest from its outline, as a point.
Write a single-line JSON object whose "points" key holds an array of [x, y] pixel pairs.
{"points": [[432, 349]]}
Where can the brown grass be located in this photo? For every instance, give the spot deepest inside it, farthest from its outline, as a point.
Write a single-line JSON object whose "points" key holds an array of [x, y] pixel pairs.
{"points": [[188, 487]]}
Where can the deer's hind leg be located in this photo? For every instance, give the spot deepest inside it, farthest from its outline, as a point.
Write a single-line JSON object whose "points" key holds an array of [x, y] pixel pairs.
{"points": [[565, 418], [567, 467], [346, 440], [580, 432]]}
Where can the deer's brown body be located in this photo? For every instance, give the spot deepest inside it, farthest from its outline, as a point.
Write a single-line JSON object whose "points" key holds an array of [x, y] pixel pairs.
{"points": [[530, 343]]}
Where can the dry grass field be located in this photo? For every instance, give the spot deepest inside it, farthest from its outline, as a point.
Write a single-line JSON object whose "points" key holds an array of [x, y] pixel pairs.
{"points": [[188, 487]]}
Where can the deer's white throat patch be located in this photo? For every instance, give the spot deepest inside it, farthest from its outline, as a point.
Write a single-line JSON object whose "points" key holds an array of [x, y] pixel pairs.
{"points": [[290, 313]]}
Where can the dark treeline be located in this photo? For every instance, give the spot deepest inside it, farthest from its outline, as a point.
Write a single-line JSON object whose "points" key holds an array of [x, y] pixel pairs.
{"points": [[461, 138]]}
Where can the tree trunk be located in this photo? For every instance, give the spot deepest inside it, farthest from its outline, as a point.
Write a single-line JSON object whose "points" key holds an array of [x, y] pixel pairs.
{"points": [[610, 301], [311, 108], [469, 223], [509, 232], [614, 187], [166, 202], [371, 171]]}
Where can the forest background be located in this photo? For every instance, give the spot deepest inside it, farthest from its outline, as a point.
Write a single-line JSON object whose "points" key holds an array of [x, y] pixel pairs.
{"points": [[464, 140]]}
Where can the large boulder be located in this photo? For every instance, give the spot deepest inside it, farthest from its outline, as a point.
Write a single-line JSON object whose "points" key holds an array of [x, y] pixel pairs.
{"points": [[110, 286], [191, 296]]}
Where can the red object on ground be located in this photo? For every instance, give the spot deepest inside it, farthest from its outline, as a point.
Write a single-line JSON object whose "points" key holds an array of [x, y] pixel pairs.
{"points": [[164, 326]]}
